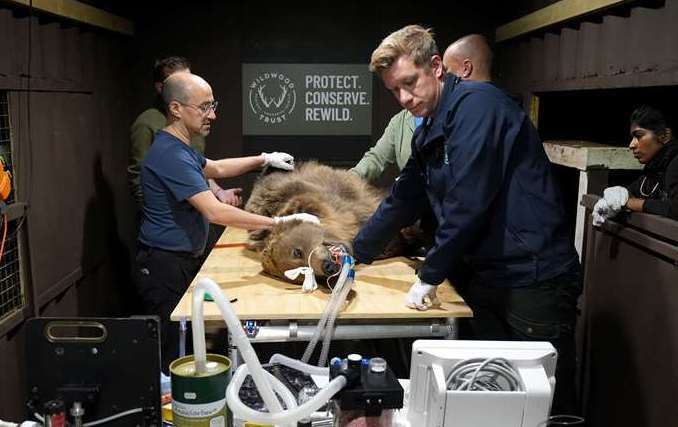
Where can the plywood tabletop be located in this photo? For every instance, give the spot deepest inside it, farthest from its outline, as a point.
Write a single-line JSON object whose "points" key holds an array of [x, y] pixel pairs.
{"points": [[379, 290]]}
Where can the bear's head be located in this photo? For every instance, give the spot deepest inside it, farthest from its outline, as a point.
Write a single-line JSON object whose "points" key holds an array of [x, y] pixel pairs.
{"points": [[298, 244]]}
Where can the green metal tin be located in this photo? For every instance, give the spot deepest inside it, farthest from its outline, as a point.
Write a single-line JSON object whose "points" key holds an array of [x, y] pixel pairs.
{"points": [[200, 400]]}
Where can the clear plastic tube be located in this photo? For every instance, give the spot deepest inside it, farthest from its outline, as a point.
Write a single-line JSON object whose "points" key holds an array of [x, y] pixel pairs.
{"points": [[239, 339], [266, 383], [287, 417], [329, 328], [286, 395], [298, 365], [317, 334], [113, 417], [331, 306]]}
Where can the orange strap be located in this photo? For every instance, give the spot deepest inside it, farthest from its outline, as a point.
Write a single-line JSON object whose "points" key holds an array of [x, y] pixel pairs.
{"points": [[230, 245]]}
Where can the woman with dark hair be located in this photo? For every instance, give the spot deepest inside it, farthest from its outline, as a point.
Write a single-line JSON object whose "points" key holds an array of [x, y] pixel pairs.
{"points": [[656, 190]]}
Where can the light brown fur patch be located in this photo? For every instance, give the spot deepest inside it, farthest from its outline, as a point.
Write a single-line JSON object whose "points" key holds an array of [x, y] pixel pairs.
{"points": [[341, 199]]}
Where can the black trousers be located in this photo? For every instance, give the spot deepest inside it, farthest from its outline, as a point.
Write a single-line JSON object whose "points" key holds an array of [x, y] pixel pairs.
{"points": [[162, 277], [543, 311]]}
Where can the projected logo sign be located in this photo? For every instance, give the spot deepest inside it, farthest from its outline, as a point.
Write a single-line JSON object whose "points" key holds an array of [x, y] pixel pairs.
{"points": [[306, 99]]}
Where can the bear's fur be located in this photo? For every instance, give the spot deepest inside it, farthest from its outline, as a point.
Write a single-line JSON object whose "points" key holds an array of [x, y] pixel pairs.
{"points": [[341, 200]]}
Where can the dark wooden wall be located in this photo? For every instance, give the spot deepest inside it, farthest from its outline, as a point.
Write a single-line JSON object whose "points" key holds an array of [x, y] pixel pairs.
{"points": [[630, 322], [218, 38], [629, 46], [70, 125]]}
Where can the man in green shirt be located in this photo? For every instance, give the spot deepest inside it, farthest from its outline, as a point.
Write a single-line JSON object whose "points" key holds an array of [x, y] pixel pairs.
{"points": [[146, 125], [469, 58], [392, 148]]}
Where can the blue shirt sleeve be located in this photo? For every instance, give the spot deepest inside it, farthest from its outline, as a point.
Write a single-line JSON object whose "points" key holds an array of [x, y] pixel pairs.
{"points": [[474, 129]]}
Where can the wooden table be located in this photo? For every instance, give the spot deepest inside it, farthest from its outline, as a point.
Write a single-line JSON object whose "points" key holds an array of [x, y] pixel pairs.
{"points": [[275, 311]]}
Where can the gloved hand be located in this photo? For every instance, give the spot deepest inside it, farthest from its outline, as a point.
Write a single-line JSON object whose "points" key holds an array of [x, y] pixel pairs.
{"points": [[305, 217], [418, 291], [616, 198], [279, 160], [231, 196], [601, 211], [613, 201]]}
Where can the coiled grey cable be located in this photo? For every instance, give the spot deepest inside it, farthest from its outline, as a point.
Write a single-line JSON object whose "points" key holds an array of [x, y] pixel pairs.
{"points": [[480, 374]]}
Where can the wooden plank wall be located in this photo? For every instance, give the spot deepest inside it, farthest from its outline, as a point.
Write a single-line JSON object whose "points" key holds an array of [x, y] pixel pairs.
{"points": [[638, 48], [70, 157], [630, 280]]}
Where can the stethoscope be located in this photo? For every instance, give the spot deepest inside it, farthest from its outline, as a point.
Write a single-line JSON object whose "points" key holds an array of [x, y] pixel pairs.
{"points": [[642, 185]]}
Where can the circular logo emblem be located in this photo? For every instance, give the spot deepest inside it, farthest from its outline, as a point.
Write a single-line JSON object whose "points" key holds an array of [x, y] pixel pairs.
{"points": [[272, 97]]}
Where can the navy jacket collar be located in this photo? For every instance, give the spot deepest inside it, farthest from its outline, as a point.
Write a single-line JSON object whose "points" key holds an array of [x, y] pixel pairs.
{"points": [[433, 126]]}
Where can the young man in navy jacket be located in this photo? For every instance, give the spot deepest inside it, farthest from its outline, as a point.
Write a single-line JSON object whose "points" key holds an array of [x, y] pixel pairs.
{"points": [[480, 165]]}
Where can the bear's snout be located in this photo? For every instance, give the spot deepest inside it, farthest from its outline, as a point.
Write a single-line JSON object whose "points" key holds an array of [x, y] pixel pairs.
{"points": [[330, 267]]}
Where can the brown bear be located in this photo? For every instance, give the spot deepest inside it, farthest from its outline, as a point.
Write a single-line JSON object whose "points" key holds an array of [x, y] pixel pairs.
{"points": [[341, 200]]}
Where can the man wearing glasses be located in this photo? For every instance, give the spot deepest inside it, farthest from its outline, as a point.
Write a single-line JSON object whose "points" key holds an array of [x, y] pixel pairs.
{"points": [[178, 204], [149, 122]]}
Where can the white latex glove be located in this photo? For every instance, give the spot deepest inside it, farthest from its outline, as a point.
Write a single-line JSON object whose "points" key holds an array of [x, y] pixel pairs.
{"points": [[418, 292], [616, 198], [279, 160], [601, 210], [305, 217]]}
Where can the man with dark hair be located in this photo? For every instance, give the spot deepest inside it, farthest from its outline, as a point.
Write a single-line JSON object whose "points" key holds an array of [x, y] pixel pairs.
{"points": [[163, 68], [478, 163], [146, 125]]}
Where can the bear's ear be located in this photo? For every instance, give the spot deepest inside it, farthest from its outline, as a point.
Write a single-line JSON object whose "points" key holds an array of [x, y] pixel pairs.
{"points": [[303, 203]]}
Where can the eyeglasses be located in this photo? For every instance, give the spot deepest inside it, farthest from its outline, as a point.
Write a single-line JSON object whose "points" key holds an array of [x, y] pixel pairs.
{"points": [[203, 108]]}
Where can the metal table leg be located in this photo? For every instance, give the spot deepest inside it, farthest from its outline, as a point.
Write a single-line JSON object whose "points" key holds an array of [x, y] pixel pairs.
{"points": [[453, 329]]}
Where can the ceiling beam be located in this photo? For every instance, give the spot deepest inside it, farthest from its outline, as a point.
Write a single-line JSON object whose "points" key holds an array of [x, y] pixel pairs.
{"points": [[561, 11], [80, 12]]}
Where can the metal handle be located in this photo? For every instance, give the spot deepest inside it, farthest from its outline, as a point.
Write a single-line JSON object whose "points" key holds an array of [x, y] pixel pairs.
{"points": [[59, 331]]}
